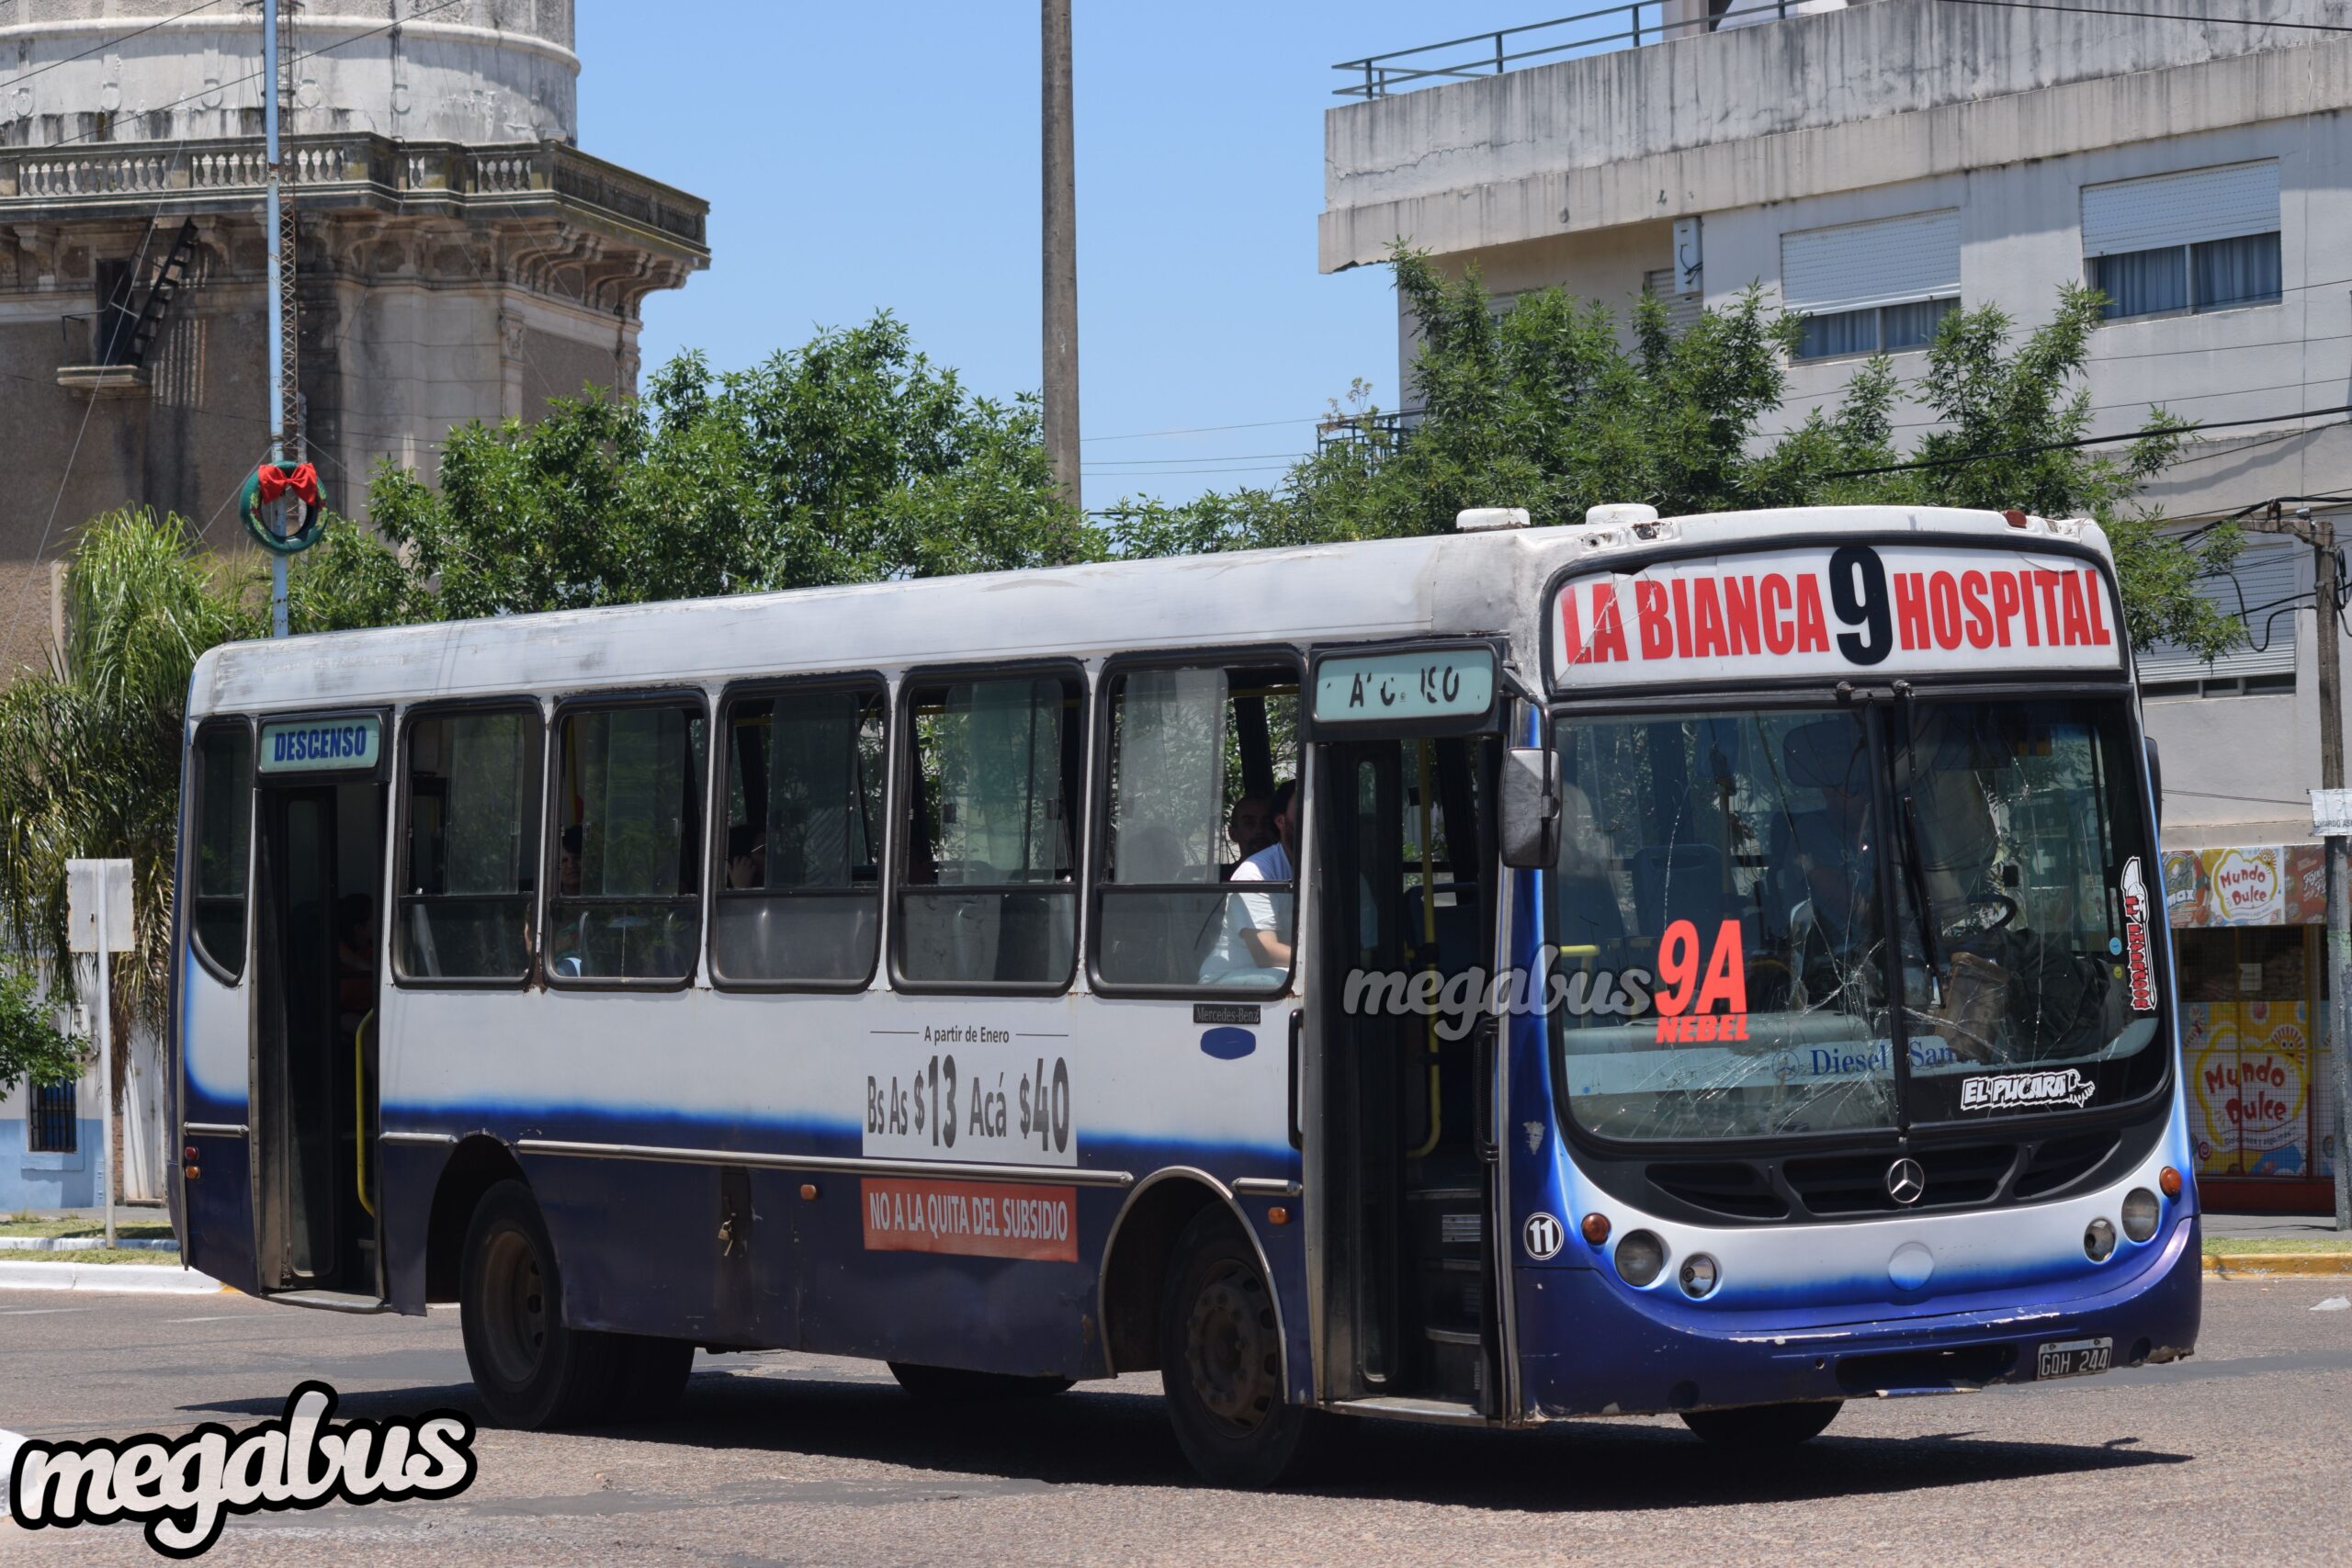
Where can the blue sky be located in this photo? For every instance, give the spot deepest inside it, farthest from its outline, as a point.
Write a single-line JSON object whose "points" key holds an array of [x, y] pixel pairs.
{"points": [[858, 156]]}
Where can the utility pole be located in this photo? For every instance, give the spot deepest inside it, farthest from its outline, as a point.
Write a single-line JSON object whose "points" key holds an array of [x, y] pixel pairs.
{"points": [[2332, 818], [278, 221], [1061, 258]]}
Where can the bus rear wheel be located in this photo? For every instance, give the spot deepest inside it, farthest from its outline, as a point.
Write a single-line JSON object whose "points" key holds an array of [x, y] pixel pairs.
{"points": [[1220, 1360], [531, 1370], [1754, 1428], [958, 1385]]}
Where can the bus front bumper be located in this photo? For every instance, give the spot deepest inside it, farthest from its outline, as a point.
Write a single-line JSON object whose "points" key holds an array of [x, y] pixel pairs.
{"points": [[1586, 1348]]}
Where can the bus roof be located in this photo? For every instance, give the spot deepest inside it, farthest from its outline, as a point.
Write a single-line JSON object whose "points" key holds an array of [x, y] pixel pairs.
{"points": [[1435, 585]]}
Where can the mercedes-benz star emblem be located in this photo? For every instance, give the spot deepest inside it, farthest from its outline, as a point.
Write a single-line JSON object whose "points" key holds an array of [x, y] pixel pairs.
{"points": [[1905, 1182]]}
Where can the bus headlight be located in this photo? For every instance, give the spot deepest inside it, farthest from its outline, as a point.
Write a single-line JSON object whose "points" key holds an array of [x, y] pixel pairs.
{"points": [[2140, 1212], [1641, 1258], [1698, 1276], [2098, 1240]]}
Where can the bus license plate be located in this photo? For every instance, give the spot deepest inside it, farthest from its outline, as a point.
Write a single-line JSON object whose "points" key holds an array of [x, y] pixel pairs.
{"points": [[2073, 1358]]}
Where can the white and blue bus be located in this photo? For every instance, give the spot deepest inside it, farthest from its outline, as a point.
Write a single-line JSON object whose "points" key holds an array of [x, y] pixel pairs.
{"points": [[1709, 966]]}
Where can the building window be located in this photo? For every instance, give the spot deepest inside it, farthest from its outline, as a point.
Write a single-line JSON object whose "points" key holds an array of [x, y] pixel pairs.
{"points": [[2264, 590], [2203, 240], [469, 883], [800, 894], [52, 1115], [1875, 287], [627, 904]]}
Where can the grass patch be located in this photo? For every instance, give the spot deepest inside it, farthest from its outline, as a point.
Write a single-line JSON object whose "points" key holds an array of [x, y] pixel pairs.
{"points": [[100, 1255], [144, 1229], [2232, 1246]]}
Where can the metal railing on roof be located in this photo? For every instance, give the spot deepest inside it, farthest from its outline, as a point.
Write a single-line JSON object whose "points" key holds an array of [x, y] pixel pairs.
{"points": [[1513, 48]]}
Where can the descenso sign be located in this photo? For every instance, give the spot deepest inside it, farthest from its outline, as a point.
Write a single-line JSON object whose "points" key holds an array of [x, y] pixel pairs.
{"points": [[1834, 611]]}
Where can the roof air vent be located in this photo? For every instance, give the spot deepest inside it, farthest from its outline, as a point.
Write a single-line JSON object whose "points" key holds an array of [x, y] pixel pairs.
{"points": [[1622, 512], [1477, 519]]}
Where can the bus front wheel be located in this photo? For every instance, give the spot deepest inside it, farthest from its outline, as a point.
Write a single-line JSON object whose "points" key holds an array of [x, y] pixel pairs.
{"points": [[1763, 1427], [1220, 1360], [532, 1371]]}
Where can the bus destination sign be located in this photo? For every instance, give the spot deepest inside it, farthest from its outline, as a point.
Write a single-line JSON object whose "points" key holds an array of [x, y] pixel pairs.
{"points": [[1424, 684], [1850, 610], [321, 745]]}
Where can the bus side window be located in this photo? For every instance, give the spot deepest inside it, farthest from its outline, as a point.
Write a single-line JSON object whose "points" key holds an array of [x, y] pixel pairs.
{"points": [[1195, 756], [989, 892], [224, 773], [628, 805], [469, 872], [798, 901]]}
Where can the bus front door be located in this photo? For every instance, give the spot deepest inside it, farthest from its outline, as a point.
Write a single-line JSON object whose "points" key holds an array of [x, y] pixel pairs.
{"points": [[1403, 890], [316, 943]]}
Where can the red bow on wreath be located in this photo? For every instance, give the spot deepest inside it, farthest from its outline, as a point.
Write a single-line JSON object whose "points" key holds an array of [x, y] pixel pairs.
{"points": [[273, 481]]}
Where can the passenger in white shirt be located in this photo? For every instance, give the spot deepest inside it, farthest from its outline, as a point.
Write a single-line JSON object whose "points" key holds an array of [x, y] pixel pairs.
{"points": [[1254, 947]]}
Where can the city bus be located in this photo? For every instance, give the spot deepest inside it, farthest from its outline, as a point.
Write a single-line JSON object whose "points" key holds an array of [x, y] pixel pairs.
{"points": [[1707, 966]]}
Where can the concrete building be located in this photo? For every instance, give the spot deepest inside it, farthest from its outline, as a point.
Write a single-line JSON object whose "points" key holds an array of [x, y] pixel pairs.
{"points": [[459, 257], [1876, 165]]}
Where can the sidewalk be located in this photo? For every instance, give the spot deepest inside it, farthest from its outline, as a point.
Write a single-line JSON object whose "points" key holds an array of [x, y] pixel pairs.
{"points": [[2272, 1227]]}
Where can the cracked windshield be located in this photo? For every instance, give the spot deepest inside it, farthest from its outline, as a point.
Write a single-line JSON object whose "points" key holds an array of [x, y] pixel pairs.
{"points": [[1721, 935]]}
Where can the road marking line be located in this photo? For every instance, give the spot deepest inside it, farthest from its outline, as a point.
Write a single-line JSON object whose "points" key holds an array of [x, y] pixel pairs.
{"points": [[225, 1317], [36, 1312]]}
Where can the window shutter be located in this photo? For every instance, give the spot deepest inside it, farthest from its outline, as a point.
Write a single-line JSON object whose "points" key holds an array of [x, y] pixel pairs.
{"points": [[2265, 572], [1885, 262], [2180, 209], [1681, 309]]}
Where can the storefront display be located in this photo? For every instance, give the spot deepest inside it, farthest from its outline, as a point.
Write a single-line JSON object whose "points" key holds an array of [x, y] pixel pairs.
{"points": [[2247, 922]]}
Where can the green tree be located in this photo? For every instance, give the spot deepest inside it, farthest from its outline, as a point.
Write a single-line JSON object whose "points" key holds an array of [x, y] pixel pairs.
{"points": [[851, 458], [31, 1045], [1556, 406]]}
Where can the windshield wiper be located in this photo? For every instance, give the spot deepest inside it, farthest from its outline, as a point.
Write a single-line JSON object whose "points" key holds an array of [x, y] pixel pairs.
{"points": [[1915, 870]]}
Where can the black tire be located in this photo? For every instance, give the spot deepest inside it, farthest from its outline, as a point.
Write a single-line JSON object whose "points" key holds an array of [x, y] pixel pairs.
{"points": [[955, 1385], [531, 1370], [1220, 1360], [653, 1374], [1754, 1428]]}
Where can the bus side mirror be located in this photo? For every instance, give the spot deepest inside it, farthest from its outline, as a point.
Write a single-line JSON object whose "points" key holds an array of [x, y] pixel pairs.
{"points": [[1531, 809], [2155, 777]]}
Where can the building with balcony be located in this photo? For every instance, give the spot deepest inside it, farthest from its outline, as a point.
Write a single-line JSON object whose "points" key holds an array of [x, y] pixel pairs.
{"points": [[458, 257], [1873, 166]]}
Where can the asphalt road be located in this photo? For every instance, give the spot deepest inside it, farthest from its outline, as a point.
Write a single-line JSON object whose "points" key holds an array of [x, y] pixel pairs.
{"points": [[2240, 1455]]}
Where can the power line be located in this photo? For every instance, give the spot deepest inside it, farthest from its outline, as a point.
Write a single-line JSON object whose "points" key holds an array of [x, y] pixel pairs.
{"points": [[2079, 441], [1208, 429], [2153, 16]]}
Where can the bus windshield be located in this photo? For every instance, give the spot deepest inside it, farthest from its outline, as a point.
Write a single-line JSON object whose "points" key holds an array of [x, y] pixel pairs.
{"points": [[1729, 880]]}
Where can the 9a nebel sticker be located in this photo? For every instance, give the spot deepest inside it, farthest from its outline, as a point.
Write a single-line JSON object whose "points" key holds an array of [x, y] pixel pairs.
{"points": [[2139, 971], [1836, 611]]}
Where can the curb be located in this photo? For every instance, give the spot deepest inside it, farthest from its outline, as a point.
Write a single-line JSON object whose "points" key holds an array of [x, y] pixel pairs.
{"points": [[84, 1243], [2254, 1265], [123, 1279]]}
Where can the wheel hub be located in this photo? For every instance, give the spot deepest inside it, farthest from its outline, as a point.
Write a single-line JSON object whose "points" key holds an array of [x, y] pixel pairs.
{"points": [[1229, 1348]]}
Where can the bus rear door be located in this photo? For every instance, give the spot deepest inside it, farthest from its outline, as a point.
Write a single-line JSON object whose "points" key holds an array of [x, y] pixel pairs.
{"points": [[1406, 742]]}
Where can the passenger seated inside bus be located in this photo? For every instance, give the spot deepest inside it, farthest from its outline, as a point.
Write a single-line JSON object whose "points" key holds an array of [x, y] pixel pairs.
{"points": [[747, 856], [1254, 945], [1194, 752]]}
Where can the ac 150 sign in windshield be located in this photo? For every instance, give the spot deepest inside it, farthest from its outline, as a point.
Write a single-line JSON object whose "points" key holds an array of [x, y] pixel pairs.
{"points": [[1883, 609]]}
